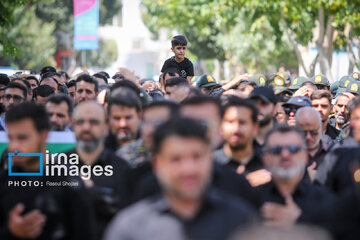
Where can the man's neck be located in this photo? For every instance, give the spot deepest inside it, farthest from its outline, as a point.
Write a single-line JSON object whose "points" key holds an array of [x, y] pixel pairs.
{"points": [[315, 150], [90, 158], [324, 126], [185, 208], [339, 126], [242, 156], [287, 187], [262, 132]]}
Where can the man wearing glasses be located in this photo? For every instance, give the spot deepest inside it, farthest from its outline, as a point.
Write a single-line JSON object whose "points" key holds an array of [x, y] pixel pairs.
{"points": [[289, 198], [291, 106], [15, 93], [318, 144]]}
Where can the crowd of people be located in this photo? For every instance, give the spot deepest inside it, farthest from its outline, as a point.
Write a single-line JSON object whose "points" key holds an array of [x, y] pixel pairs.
{"points": [[260, 156]]}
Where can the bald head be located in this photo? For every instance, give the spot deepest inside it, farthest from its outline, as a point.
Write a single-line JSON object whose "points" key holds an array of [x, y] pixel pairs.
{"points": [[308, 119], [89, 108]]}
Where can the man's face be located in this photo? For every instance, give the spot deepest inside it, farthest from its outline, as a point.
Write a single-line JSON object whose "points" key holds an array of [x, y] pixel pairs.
{"points": [[12, 97], [24, 138], [90, 127], [59, 115], [280, 114], [341, 113], [124, 122], [290, 111], [148, 86], [33, 83], [323, 106], [177, 93], [312, 130], [183, 167], [179, 51], [237, 127], [207, 113], [266, 111], [41, 100], [50, 82], [289, 163], [84, 91], [168, 76], [72, 92], [355, 123], [322, 87], [152, 118]]}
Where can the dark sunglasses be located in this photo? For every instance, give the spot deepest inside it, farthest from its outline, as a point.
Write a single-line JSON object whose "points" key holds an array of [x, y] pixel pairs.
{"points": [[312, 132], [276, 150], [288, 110], [16, 98]]}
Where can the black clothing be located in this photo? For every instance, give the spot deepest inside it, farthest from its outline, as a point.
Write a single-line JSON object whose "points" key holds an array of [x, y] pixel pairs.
{"points": [[185, 67], [332, 132], [109, 194], [110, 142], [254, 164], [307, 196], [223, 179], [67, 208]]}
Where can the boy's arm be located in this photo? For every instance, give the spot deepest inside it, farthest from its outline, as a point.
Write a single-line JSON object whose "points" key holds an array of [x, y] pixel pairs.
{"points": [[165, 66], [188, 78]]}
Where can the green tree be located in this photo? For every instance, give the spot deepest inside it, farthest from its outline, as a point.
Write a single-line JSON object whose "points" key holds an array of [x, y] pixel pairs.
{"points": [[105, 55]]}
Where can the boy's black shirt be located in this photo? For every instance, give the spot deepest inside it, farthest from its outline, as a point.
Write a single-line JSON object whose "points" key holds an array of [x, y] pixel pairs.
{"points": [[185, 67]]}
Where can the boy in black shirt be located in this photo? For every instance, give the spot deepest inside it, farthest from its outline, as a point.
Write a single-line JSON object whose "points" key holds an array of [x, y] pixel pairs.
{"points": [[179, 61]]}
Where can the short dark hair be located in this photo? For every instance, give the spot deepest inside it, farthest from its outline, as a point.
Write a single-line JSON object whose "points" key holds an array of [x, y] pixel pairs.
{"points": [[102, 76], [353, 103], [179, 40], [177, 81], [27, 84], [51, 78], [89, 79], [197, 100], [125, 83], [33, 78], [182, 127], [71, 83], [47, 69], [284, 128], [171, 105], [64, 74], [19, 86], [246, 103], [61, 97], [318, 94], [125, 98], [29, 110]]}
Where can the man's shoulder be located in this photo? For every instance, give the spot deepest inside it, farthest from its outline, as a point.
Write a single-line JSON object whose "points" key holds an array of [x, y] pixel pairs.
{"points": [[220, 156]]}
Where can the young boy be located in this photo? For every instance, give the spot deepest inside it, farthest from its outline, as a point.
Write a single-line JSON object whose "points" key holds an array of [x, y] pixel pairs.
{"points": [[179, 61]]}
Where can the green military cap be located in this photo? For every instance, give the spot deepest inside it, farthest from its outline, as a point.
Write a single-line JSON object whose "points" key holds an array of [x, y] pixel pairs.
{"points": [[259, 79], [353, 87], [320, 80], [343, 83], [194, 80], [296, 84], [285, 76], [206, 81], [276, 81], [356, 76]]}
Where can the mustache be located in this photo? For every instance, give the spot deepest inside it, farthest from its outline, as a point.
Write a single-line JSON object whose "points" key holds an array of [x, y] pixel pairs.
{"points": [[86, 132]]}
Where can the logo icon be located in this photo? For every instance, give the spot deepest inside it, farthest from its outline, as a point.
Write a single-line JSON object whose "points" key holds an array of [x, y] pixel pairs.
{"points": [[354, 87], [16, 154], [278, 81], [318, 79], [355, 75], [262, 80]]}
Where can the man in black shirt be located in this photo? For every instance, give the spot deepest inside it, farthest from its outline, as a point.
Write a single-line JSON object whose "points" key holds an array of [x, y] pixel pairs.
{"points": [[240, 151], [179, 61], [183, 166], [38, 210], [289, 197], [110, 191]]}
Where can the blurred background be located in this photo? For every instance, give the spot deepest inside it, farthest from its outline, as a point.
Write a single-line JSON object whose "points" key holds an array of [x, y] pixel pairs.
{"points": [[226, 37]]}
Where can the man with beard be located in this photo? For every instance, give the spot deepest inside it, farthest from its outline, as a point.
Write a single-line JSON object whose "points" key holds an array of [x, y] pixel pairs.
{"points": [[288, 198], [241, 152], [43, 211], [15, 93], [124, 111], [108, 193], [266, 101], [321, 101], [340, 111], [59, 107], [87, 88], [183, 166], [318, 144]]}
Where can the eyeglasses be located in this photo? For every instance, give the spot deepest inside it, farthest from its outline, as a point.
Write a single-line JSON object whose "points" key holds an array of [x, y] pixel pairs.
{"points": [[312, 132], [277, 150], [288, 110], [16, 98]]}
